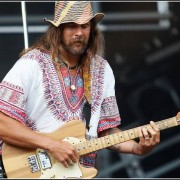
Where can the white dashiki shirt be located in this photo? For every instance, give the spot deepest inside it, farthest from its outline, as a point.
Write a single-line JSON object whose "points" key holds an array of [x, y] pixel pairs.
{"points": [[33, 94]]}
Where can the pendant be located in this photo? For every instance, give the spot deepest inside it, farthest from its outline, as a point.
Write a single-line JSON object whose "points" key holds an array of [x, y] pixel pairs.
{"points": [[73, 87]]}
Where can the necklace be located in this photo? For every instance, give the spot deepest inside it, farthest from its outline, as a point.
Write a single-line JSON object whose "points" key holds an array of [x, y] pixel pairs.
{"points": [[73, 80], [72, 67], [68, 65]]}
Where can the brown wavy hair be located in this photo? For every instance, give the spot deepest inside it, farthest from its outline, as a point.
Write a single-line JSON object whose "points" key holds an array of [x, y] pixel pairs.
{"points": [[50, 41]]}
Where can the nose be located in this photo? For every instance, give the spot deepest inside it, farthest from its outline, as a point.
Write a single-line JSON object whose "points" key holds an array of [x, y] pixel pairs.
{"points": [[79, 31]]}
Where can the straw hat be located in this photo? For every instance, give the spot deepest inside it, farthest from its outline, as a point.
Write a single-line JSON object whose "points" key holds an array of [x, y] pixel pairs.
{"points": [[79, 12]]}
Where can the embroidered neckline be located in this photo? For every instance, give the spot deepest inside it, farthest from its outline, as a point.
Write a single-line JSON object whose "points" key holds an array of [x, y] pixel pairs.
{"points": [[73, 98]]}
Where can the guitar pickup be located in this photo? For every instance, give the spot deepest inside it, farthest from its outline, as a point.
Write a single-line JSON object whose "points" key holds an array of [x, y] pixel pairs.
{"points": [[44, 160]]}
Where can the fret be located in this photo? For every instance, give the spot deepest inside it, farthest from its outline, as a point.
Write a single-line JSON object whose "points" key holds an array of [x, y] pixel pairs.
{"points": [[108, 141], [78, 149], [115, 138], [96, 147], [165, 124], [135, 130], [145, 126], [118, 135], [92, 145], [102, 142], [174, 121], [160, 125], [83, 150], [90, 149], [131, 134], [121, 136], [126, 137], [112, 139], [169, 122]]}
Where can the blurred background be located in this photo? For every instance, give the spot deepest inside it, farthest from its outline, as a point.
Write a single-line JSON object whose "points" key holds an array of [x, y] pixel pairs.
{"points": [[143, 49]]}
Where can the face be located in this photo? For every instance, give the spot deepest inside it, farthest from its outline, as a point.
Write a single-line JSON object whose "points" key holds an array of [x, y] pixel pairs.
{"points": [[75, 38]]}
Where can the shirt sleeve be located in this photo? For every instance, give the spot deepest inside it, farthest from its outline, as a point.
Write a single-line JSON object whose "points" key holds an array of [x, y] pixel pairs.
{"points": [[14, 90], [109, 115]]}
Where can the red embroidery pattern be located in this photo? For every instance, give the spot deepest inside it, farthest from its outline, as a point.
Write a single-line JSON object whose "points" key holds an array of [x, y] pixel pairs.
{"points": [[73, 99], [109, 114], [97, 81], [12, 101]]}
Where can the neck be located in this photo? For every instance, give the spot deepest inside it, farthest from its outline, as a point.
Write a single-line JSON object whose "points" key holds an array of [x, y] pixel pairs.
{"points": [[70, 60]]}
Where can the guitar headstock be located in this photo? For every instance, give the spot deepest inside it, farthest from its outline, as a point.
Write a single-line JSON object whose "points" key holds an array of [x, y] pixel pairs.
{"points": [[178, 118]]}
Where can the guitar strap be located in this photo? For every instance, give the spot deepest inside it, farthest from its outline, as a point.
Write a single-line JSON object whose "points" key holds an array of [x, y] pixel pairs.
{"points": [[87, 92], [2, 170]]}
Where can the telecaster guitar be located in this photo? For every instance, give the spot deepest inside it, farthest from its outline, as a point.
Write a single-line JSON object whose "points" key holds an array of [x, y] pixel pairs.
{"points": [[38, 163]]}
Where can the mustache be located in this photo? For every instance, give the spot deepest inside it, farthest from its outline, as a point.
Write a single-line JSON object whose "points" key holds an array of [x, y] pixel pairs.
{"points": [[79, 40]]}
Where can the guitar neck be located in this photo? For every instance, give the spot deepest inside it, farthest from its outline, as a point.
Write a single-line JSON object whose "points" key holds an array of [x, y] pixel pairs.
{"points": [[109, 140]]}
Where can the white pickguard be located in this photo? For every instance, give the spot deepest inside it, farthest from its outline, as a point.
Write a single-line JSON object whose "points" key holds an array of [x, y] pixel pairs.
{"points": [[58, 171]]}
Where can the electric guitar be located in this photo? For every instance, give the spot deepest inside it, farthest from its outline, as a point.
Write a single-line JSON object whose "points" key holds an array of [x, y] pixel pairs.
{"points": [[38, 163]]}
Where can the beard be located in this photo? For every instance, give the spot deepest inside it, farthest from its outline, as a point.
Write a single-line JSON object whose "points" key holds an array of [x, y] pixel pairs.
{"points": [[75, 47]]}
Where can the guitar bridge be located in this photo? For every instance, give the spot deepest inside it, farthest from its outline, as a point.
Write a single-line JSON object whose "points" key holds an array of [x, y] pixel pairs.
{"points": [[33, 163]]}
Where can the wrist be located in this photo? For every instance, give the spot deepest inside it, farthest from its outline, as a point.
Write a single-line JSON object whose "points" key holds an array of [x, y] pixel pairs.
{"points": [[136, 149], [47, 143], [141, 150]]}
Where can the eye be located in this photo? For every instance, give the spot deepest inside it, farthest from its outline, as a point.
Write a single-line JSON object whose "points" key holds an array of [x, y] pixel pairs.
{"points": [[70, 25], [85, 25]]}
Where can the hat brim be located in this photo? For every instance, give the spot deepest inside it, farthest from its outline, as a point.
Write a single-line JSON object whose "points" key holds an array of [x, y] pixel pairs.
{"points": [[97, 17]]}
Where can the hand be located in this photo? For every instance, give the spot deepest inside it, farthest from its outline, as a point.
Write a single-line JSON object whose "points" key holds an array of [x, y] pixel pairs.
{"points": [[64, 152], [149, 137]]}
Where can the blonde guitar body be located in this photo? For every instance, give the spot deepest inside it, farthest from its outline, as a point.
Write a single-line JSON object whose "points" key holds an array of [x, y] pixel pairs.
{"points": [[16, 162]]}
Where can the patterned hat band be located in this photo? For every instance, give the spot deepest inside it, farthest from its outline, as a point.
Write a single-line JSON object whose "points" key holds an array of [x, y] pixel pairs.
{"points": [[79, 12]]}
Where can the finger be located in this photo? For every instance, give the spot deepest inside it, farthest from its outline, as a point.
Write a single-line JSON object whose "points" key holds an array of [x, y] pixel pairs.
{"points": [[70, 163], [67, 161], [72, 155], [145, 133], [152, 133], [65, 164], [76, 154], [74, 158], [140, 134], [154, 126], [156, 136]]}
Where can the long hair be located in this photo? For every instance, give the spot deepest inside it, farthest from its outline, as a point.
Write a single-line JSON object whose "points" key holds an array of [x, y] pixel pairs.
{"points": [[51, 41]]}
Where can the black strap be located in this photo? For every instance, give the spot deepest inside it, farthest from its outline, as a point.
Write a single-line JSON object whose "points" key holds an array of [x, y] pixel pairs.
{"points": [[87, 113], [2, 170]]}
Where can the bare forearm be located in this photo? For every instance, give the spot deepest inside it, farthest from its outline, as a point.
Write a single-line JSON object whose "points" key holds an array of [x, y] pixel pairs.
{"points": [[130, 147], [14, 132], [125, 147]]}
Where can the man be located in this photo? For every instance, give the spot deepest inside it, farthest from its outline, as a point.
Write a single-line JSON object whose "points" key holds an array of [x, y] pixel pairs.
{"points": [[63, 78]]}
